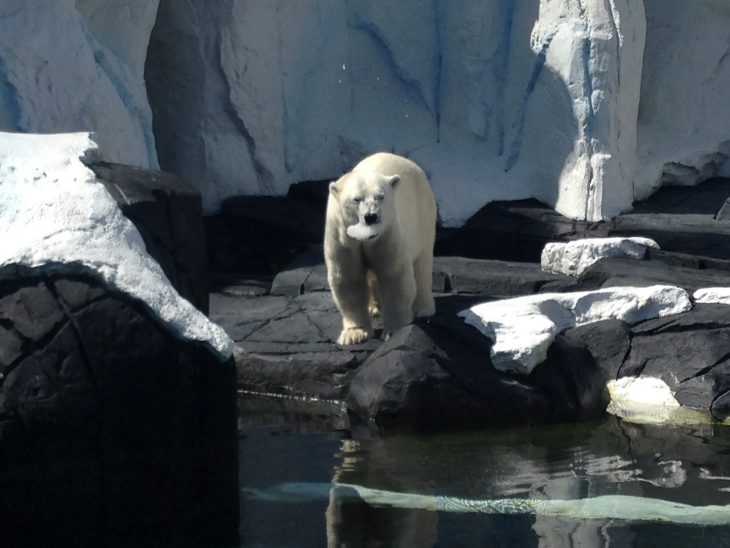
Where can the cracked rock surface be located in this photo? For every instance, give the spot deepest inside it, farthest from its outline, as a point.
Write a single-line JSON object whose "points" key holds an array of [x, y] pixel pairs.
{"points": [[690, 352], [96, 400]]}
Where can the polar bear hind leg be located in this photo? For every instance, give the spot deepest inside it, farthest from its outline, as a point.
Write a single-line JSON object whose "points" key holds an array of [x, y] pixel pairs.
{"points": [[423, 304], [374, 303], [397, 294]]}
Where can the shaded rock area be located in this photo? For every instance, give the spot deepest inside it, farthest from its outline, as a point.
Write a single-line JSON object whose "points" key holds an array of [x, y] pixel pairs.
{"points": [[260, 235], [111, 430], [437, 373], [168, 213], [685, 220], [690, 352]]}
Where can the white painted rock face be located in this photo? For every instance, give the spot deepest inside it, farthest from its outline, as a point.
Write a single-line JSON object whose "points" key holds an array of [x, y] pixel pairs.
{"points": [[55, 216], [70, 66], [495, 99], [573, 258], [523, 328], [683, 127]]}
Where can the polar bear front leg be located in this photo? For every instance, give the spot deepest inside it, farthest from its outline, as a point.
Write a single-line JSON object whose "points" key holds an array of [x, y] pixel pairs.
{"points": [[397, 293], [352, 297]]}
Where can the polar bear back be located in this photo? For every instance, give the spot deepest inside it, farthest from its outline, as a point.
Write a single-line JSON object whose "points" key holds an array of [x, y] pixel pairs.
{"points": [[415, 204]]}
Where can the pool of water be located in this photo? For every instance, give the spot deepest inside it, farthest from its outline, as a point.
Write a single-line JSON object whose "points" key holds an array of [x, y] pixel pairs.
{"points": [[293, 456]]}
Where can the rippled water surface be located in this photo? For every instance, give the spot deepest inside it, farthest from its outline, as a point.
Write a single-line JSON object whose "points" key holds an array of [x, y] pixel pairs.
{"points": [[292, 455]]}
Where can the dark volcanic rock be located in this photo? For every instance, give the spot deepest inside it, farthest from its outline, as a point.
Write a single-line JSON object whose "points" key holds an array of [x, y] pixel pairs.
{"points": [[690, 220], [608, 341], [704, 199], [285, 345], [696, 234], [305, 274], [512, 231], [263, 234], [429, 376], [465, 276], [168, 213], [690, 352], [110, 428], [627, 272]]}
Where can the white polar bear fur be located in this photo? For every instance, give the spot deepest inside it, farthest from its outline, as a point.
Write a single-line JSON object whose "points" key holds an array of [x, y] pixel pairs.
{"points": [[388, 263]]}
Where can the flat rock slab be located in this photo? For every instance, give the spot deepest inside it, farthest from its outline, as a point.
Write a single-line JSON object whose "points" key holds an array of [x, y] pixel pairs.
{"points": [[284, 345], [451, 275], [628, 272]]}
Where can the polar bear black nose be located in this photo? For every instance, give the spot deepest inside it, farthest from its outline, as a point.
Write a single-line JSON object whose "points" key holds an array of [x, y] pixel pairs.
{"points": [[371, 218]]}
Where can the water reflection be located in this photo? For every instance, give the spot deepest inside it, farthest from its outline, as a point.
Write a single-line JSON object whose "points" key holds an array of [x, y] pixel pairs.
{"points": [[686, 464]]}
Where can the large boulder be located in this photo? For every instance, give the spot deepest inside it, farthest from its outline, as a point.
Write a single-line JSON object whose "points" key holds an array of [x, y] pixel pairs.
{"points": [[522, 329], [117, 395], [689, 352], [438, 375], [111, 427], [56, 216]]}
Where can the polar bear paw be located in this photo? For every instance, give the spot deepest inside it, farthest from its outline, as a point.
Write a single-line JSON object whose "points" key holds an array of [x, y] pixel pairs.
{"points": [[425, 311], [352, 335]]}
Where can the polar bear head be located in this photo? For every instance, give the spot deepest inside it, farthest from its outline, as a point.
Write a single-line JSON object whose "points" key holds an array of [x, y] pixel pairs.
{"points": [[366, 201]]}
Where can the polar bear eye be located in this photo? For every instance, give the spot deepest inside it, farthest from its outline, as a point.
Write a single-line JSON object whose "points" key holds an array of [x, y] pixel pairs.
{"points": [[357, 199], [380, 197]]}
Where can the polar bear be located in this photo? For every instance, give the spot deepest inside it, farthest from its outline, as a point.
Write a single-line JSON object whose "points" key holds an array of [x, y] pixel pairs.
{"points": [[378, 245]]}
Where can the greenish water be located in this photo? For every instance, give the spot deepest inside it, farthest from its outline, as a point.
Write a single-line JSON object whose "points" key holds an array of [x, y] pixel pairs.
{"points": [[292, 456]]}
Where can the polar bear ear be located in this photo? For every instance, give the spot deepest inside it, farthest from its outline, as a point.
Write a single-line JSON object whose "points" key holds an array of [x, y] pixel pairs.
{"points": [[334, 189], [392, 180]]}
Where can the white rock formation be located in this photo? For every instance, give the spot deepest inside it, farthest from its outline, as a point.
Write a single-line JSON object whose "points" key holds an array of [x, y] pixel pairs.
{"points": [[523, 328], [55, 216], [498, 100], [573, 258], [684, 120], [68, 67], [495, 99], [712, 295]]}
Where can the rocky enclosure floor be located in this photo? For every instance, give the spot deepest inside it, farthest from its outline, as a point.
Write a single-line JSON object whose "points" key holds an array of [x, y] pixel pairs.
{"points": [[437, 373]]}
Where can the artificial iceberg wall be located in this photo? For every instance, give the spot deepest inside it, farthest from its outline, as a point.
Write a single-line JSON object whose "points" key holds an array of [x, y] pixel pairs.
{"points": [[583, 104]]}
